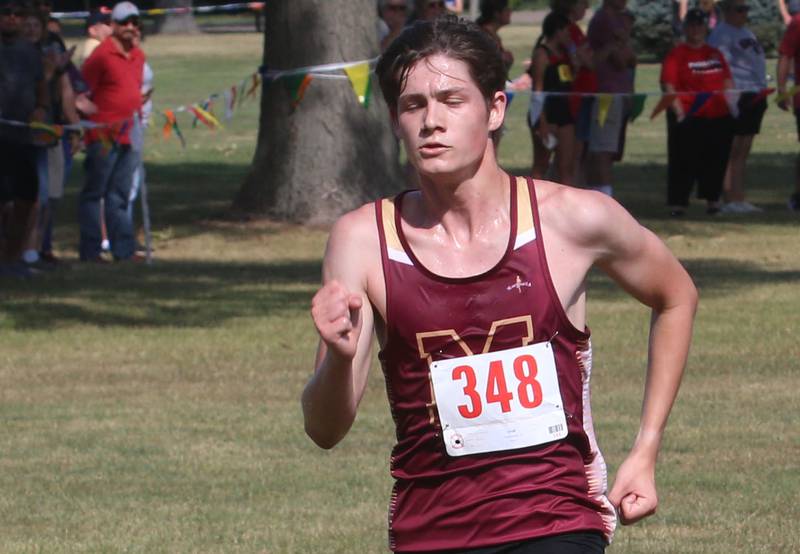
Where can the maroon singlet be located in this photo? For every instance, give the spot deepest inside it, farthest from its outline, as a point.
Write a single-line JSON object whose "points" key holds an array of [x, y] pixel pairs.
{"points": [[441, 502]]}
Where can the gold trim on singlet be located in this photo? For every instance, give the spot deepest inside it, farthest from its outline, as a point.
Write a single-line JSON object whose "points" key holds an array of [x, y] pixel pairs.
{"points": [[526, 230], [394, 248]]}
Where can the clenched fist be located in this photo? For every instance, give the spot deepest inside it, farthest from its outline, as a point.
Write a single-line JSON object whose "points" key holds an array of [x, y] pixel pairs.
{"points": [[337, 316]]}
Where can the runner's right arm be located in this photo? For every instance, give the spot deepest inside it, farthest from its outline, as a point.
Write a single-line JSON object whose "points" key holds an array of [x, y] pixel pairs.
{"points": [[343, 317]]}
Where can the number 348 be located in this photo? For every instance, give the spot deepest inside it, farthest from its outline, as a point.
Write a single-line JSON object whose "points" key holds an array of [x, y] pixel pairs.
{"points": [[528, 389]]}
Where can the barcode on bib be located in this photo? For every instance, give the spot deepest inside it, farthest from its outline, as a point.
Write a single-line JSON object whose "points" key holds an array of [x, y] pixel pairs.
{"points": [[554, 429]]}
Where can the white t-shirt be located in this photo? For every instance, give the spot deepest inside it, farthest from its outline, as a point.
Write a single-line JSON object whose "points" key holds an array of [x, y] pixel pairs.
{"points": [[744, 55]]}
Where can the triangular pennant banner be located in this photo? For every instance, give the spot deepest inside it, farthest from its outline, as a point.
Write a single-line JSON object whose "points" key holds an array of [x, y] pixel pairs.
{"points": [[256, 80], [359, 76], [732, 98], [228, 100], [205, 117], [509, 98], [637, 106], [700, 100], [663, 104], [603, 105], [296, 85]]}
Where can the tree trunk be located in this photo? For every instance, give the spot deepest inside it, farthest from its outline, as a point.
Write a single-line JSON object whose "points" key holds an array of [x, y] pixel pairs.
{"points": [[176, 24], [329, 154]]}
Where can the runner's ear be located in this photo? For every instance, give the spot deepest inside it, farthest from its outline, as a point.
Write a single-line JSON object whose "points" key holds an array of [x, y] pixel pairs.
{"points": [[497, 110]]}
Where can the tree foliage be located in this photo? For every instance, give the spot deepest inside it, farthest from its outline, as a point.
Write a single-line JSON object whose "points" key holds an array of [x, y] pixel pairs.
{"points": [[653, 34]]}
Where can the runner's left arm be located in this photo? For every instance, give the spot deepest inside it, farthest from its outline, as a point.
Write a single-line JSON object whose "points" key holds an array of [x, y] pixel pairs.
{"points": [[643, 265]]}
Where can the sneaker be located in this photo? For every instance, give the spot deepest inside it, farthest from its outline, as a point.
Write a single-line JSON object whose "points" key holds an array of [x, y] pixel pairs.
{"points": [[676, 212], [794, 202], [712, 210], [136, 258], [731, 208], [748, 208]]}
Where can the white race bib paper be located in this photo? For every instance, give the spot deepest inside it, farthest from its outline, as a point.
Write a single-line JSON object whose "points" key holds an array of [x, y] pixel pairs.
{"points": [[499, 400]]}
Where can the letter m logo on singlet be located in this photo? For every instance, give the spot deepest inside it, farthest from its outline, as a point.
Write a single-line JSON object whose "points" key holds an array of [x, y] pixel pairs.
{"points": [[447, 343]]}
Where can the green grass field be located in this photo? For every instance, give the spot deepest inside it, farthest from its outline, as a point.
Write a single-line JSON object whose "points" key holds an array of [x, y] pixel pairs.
{"points": [[156, 409]]}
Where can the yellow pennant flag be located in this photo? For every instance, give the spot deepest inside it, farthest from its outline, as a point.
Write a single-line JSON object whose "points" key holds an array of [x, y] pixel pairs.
{"points": [[359, 79], [603, 105]]}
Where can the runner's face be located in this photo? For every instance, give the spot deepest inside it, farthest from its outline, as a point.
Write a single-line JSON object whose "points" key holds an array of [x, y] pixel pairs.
{"points": [[443, 119]]}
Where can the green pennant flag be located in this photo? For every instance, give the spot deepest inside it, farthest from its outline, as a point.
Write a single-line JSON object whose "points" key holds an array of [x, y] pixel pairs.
{"points": [[296, 86], [637, 107]]}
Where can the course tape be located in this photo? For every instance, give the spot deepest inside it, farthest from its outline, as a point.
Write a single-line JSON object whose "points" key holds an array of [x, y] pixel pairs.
{"points": [[222, 8]]}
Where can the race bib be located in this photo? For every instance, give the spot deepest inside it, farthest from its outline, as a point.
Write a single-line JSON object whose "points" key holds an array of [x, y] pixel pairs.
{"points": [[565, 73], [499, 401]]}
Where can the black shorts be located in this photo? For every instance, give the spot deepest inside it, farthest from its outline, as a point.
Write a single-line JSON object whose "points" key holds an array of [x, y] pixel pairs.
{"points": [[18, 177], [750, 115], [568, 543], [557, 112]]}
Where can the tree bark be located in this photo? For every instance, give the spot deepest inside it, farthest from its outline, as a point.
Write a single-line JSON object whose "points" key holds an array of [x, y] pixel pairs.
{"points": [[329, 154], [176, 24]]}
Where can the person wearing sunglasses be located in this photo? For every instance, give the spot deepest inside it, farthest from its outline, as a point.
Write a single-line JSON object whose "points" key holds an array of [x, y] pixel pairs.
{"points": [[745, 57], [114, 75], [393, 15]]}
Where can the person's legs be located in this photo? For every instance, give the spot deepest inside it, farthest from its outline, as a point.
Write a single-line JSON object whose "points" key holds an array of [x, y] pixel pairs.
{"points": [[541, 156], [565, 154], [98, 167], [734, 174], [118, 219], [715, 136], [680, 162], [604, 144], [18, 171]]}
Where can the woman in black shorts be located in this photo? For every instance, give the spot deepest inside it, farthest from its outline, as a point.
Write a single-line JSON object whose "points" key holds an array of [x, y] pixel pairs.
{"points": [[552, 124]]}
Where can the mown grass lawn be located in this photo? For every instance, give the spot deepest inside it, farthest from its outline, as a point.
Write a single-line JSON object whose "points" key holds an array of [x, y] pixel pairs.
{"points": [[155, 409]]}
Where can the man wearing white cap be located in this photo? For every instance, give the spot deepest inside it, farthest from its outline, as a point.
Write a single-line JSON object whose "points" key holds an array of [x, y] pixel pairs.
{"points": [[114, 75]]}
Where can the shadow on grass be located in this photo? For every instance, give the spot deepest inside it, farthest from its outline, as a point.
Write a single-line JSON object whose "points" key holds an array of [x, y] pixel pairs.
{"points": [[641, 188], [712, 276], [166, 294]]}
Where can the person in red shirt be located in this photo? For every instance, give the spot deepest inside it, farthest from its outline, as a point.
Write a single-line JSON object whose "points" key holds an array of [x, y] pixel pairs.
{"points": [[789, 51], [113, 73], [699, 124]]}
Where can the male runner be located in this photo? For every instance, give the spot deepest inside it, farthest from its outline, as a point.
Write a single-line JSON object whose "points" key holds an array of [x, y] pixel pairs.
{"points": [[476, 287]]}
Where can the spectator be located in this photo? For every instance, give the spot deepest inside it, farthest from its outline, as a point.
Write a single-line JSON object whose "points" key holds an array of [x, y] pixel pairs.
{"points": [[114, 75], [699, 127], [427, 10], [789, 51], [748, 66], [582, 60], [553, 127], [614, 57], [712, 11], [494, 15], [393, 15], [788, 9], [23, 82], [98, 28]]}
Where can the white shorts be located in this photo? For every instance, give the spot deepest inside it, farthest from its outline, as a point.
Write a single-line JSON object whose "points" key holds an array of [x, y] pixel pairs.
{"points": [[607, 137]]}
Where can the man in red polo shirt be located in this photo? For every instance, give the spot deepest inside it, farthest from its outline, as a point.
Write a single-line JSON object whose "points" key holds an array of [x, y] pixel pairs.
{"points": [[114, 75]]}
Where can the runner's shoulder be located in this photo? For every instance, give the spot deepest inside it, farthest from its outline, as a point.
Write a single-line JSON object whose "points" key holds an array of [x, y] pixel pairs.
{"points": [[583, 216], [355, 232]]}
